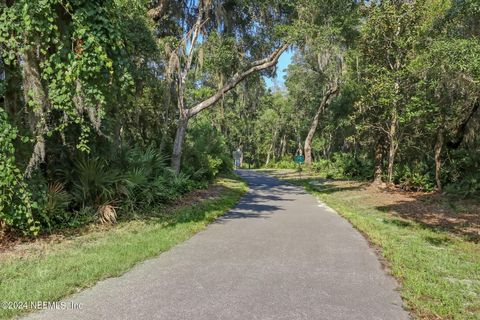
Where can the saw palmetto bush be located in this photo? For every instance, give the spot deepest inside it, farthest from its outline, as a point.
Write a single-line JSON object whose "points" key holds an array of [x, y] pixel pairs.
{"points": [[95, 188], [147, 180], [94, 182], [56, 203]]}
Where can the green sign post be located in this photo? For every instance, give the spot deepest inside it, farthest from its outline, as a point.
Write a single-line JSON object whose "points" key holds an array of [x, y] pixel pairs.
{"points": [[299, 159]]}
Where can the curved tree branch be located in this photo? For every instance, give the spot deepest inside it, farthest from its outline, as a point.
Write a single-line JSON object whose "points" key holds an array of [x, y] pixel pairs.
{"points": [[256, 66]]}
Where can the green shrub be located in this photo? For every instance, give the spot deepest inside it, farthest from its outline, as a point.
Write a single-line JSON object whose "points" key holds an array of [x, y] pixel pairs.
{"points": [[150, 159], [148, 180], [181, 183], [54, 210], [468, 186], [414, 178], [354, 167], [461, 174], [327, 168], [127, 180], [94, 182], [343, 165], [206, 153], [285, 163]]}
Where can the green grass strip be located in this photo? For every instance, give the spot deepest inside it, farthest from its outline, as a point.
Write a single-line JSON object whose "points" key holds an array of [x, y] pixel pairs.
{"points": [[69, 266]]}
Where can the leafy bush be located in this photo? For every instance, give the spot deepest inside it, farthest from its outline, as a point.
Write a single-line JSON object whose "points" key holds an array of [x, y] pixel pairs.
{"points": [[144, 180], [466, 187], [94, 182], [462, 175], [206, 153], [15, 200], [327, 168], [54, 210], [285, 163], [148, 180], [354, 167], [181, 183], [102, 188], [414, 178], [97, 188], [343, 165]]}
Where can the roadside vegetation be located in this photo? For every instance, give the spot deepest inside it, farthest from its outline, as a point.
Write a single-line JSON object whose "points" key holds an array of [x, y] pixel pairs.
{"points": [[390, 94], [428, 243], [96, 98], [110, 107], [111, 110], [54, 267]]}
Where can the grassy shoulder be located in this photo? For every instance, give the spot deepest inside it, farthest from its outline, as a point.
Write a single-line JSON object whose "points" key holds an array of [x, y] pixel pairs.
{"points": [[439, 271], [50, 272]]}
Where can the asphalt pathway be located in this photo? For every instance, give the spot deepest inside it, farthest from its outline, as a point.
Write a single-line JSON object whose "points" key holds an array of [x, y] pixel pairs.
{"points": [[279, 254]]}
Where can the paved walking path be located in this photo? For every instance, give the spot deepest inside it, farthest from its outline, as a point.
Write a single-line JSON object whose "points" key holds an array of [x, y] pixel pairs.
{"points": [[278, 255]]}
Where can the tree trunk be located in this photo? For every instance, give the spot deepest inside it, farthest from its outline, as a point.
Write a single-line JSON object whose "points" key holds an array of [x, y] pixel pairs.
{"points": [[393, 144], [272, 147], [36, 100], [308, 150], [438, 159], [241, 154], [269, 153], [377, 174], [178, 144], [313, 127], [299, 149], [284, 146]]}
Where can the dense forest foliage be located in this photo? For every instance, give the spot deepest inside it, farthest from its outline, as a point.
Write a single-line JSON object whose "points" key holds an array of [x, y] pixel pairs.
{"points": [[113, 107], [389, 94]]}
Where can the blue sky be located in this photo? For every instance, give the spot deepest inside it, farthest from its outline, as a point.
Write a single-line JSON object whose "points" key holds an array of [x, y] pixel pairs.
{"points": [[283, 62]]}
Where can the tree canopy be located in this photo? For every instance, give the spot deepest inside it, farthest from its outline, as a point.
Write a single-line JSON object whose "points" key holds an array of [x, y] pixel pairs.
{"points": [[114, 106]]}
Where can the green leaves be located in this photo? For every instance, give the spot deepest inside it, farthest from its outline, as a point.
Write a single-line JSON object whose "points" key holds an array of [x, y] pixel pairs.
{"points": [[15, 200], [220, 54], [72, 42]]}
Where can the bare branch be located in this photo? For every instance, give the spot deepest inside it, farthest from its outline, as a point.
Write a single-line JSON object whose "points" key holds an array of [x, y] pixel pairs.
{"points": [[195, 32]]}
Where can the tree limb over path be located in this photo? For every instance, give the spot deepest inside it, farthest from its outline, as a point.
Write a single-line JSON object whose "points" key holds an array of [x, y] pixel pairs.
{"points": [[239, 77]]}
